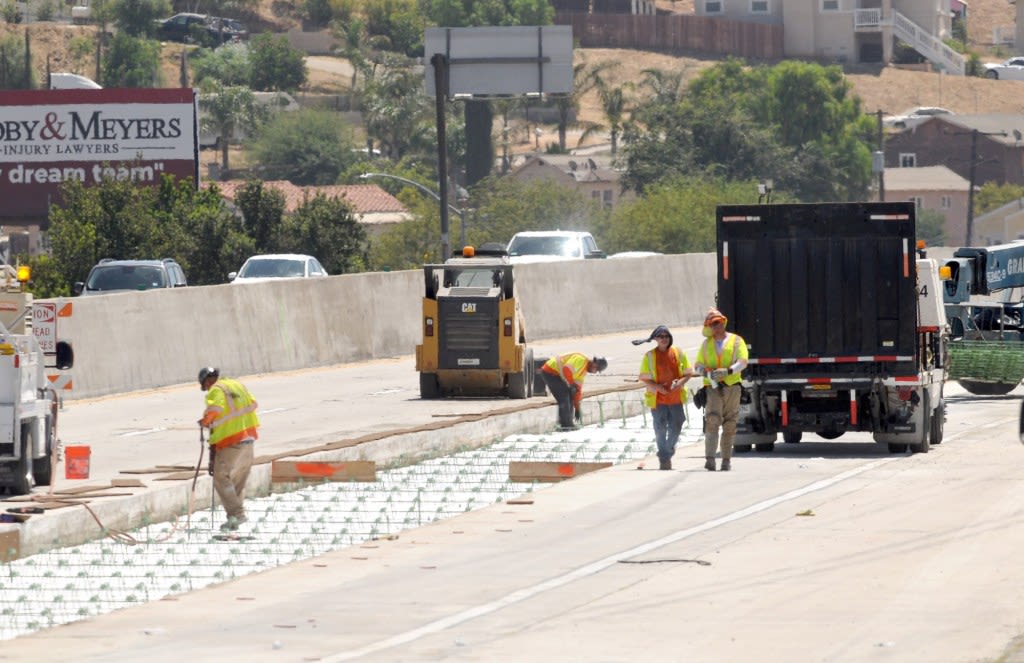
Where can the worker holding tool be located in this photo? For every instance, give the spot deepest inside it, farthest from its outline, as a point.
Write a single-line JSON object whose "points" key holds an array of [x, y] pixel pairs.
{"points": [[231, 417], [665, 369], [564, 375], [721, 358]]}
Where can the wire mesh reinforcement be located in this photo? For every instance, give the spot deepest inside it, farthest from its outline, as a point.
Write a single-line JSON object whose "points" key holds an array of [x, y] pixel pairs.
{"points": [[73, 583]]}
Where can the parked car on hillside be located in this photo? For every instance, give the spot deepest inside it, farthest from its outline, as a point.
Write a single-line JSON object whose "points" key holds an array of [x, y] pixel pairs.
{"points": [[111, 275], [278, 266], [188, 27], [909, 119], [1011, 70], [548, 245]]}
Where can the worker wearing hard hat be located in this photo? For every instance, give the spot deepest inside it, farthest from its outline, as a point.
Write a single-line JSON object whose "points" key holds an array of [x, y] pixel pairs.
{"points": [[665, 369], [564, 375], [231, 417], [721, 358]]}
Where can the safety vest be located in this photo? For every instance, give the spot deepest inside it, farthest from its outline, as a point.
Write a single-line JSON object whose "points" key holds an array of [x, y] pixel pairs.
{"points": [[734, 348], [649, 367], [576, 363], [234, 411]]}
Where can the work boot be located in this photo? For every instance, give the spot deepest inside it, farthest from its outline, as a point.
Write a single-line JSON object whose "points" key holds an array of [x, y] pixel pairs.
{"points": [[665, 464], [726, 464], [709, 465]]}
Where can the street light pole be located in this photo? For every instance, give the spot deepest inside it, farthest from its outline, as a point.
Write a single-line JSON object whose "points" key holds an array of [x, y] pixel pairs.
{"points": [[445, 249]]}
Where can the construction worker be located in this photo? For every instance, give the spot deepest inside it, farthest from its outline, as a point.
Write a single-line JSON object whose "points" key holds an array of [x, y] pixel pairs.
{"points": [[231, 417], [721, 359], [564, 375], [665, 369]]}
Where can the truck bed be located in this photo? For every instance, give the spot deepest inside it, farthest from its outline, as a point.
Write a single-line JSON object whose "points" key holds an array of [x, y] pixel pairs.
{"points": [[820, 282]]}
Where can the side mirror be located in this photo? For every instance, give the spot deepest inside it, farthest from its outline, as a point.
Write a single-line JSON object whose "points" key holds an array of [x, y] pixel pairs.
{"points": [[78, 287], [231, 276], [65, 356]]}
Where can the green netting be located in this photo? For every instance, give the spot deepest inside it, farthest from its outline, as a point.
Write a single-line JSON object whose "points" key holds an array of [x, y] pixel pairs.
{"points": [[989, 361]]}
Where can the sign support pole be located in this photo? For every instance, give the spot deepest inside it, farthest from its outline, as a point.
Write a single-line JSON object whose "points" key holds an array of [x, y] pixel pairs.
{"points": [[440, 62]]}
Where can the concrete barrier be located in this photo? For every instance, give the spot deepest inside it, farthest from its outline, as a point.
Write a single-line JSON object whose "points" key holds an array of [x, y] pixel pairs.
{"points": [[141, 340]]}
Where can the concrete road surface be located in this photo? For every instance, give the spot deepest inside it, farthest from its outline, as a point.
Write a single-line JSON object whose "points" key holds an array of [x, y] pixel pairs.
{"points": [[821, 551]]}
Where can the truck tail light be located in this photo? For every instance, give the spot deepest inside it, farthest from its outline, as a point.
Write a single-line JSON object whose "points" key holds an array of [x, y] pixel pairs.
{"points": [[428, 326], [508, 326]]}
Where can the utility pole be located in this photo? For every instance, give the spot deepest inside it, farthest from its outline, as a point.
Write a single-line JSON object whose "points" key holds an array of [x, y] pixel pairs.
{"points": [[881, 150], [972, 175]]}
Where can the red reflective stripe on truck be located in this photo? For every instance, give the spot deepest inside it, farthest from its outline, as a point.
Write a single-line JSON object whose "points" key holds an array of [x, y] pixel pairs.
{"points": [[773, 361], [906, 259], [785, 409], [853, 407], [725, 261], [928, 329], [819, 380]]}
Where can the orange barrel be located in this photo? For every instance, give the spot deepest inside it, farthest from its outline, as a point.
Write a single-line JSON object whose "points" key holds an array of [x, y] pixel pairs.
{"points": [[76, 462]]}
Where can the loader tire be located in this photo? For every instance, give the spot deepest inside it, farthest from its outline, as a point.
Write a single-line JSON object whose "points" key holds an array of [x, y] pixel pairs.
{"points": [[42, 468], [429, 387], [924, 445]]}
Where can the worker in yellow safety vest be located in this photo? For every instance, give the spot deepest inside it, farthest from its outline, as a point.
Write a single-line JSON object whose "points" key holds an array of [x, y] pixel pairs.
{"points": [[564, 375], [721, 358], [231, 417]]}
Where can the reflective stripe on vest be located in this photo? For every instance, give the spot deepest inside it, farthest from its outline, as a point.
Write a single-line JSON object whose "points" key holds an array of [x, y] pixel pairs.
{"points": [[240, 414]]}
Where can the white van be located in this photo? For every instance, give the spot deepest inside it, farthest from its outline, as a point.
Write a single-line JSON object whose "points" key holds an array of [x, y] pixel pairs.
{"points": [[66, 81]]}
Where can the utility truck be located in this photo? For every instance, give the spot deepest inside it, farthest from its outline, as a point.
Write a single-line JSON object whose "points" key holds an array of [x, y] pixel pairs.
{"points": [[28, 401], [986, 317], [844, 324], [474, 335]]}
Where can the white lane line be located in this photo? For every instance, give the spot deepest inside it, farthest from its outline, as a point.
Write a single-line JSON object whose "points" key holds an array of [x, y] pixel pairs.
{"points": [[143, 432], [596, 567]]}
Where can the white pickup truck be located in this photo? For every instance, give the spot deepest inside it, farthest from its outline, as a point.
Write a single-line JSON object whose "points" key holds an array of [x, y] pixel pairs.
{"points": [[550, 245]]}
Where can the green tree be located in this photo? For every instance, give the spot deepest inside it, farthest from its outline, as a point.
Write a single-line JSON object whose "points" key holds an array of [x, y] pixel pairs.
{"points": [[931, 227], [223, 109], [131, 62], [328, 229], [396, 112], [306, 147], [13, 71], [399, 22], [228, 65], [262, 213], [275, 64], [137, 17], [674, 216], [992, 195]]}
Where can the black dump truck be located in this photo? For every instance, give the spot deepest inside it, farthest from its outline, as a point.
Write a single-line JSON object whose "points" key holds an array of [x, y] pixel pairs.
{"points": [[843, 320]]}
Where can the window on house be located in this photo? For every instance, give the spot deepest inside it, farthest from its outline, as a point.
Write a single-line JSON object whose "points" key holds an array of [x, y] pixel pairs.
{"points": [[607, 197], [712, 6], [946, 202], [596, 195], [829, 5], [917, 202], [758, 6], [908, 160]]}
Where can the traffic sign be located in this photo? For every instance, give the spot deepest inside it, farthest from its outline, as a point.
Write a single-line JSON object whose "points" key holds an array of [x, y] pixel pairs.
{"points": [[44, 326]]}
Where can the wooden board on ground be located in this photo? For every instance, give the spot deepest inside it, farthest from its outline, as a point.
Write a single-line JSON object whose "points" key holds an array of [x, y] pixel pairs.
{"points": [[177, 476], [160, 469], [126, 483], [522, 471], [292, 471]]}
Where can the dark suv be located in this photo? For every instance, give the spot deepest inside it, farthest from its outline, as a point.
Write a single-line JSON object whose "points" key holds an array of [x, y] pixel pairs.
{"points": [[120, 275]]}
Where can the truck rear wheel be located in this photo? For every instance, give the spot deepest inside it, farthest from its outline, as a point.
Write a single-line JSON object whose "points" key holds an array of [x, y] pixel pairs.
{"points": [[897, 448], [23, 480], [42, 468], [987, 388], [924, 431], [792, 438], [428, 386], [938, 422], [765, 447]]}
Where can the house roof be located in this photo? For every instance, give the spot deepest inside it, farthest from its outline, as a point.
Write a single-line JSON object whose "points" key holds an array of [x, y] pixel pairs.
{"points": [[990, 124], [369, 201], [925, 178], [581, 168]]}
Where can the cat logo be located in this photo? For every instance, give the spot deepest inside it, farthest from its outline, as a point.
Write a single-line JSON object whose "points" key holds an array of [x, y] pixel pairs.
{"points": [[469, 307]]}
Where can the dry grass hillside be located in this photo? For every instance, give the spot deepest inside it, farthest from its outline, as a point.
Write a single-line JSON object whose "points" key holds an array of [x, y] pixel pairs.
{"points": [[888, 88]]}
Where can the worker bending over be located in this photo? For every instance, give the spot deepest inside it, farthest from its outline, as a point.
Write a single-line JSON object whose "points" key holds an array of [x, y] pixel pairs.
{"points": [[564, 375]]}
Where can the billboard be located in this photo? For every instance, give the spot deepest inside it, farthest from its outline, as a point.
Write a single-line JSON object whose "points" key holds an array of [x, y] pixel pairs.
{"points": [[48, 137]]}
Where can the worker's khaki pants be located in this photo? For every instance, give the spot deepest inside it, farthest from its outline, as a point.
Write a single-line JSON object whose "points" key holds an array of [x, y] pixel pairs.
{"points": [[231, 467], [723, 410]]}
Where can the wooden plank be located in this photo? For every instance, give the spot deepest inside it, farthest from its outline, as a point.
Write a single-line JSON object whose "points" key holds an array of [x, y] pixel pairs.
{"points": [[10, 545], [178, 476], [126, 483], [159, 469], [290, 471], [78, 490], [549, 472]]}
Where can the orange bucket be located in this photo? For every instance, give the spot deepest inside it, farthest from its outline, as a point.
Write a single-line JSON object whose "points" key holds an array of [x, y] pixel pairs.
{"points": [[76, 462]]}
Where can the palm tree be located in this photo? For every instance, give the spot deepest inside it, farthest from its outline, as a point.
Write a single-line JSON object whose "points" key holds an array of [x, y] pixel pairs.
{"points": [[226, 107], [584, 79]]}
